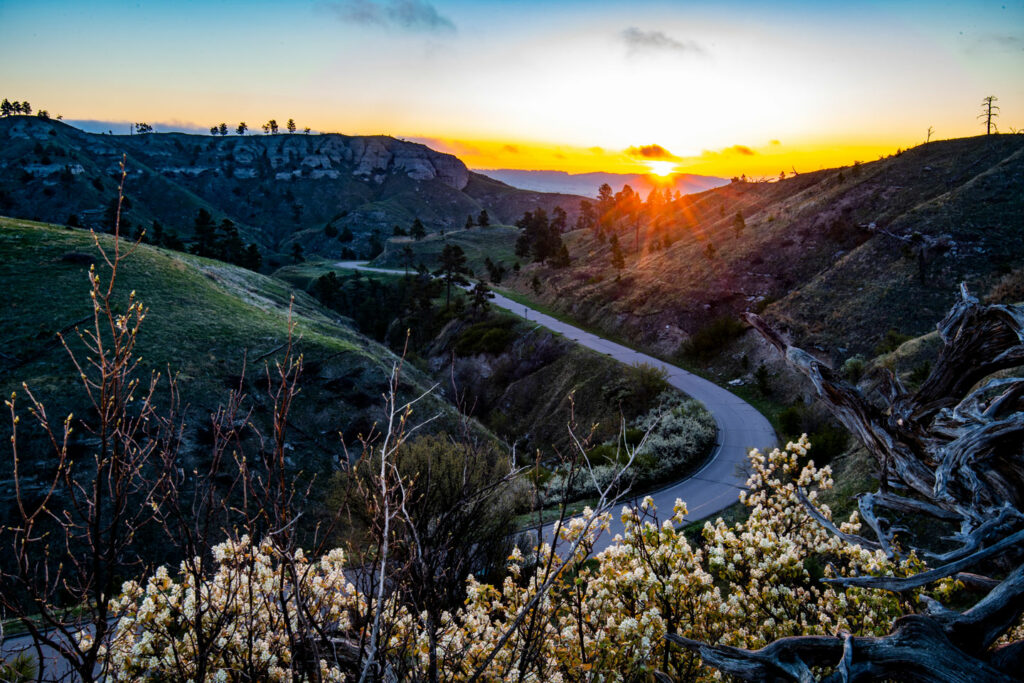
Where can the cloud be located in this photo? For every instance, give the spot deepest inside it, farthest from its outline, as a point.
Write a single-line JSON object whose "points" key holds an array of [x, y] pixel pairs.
{"points": [[652, 152], [511, 149], [726, 152], [638, 40], [413, 15], [775, 142], [1002, 42]]}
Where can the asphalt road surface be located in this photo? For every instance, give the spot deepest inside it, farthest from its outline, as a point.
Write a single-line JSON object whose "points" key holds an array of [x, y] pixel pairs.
{"points": [[717, 484]]}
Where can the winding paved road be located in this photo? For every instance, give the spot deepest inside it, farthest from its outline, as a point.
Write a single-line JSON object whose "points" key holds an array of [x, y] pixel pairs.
{"points": [[717, 484]]}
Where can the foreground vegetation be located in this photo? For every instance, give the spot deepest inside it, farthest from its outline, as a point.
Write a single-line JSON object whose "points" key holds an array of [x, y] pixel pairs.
{"points": [[428, 586]]}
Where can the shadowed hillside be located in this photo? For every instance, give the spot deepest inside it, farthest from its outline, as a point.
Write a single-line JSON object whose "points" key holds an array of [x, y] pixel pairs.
{"points": [[207, 321]]}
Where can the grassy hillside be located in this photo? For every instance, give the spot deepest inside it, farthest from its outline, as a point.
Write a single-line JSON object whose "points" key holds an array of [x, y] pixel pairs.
{"points": [[495, 242], [839, 257], [205, 319]]}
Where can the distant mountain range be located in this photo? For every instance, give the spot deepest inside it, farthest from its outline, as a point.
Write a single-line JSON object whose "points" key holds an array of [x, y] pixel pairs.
{"points": [[586, 184]]}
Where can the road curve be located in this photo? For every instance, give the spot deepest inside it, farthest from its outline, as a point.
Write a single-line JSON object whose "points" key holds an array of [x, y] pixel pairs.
{"points": [[717, 484]]}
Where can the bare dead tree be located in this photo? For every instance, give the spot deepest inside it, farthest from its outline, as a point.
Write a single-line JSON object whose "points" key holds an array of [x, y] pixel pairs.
{"points": [[953, 451], [989, 111], [73, 539]]}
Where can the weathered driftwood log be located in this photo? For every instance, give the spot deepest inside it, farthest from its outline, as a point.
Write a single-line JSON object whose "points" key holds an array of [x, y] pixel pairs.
{"points": [[955, 448]]}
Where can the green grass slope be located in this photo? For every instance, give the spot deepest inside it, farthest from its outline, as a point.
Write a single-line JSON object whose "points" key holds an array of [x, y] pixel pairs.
{"points": [[497, 242], [204, 320]]}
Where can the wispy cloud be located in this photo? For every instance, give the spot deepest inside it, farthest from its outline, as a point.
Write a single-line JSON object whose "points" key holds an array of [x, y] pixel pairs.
{"points": [[652, 152], [638, 41], [1002, 41], [741, 150], [412, 15], [727, 152]]}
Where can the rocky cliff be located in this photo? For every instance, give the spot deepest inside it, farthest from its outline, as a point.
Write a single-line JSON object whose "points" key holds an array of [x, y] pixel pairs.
{"points": [[278, 189]]}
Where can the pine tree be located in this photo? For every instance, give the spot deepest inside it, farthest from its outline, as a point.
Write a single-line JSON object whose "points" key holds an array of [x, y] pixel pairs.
{"points": [[241, 128], [479, 302], [229, 244], [561, 258], [483, 220], [618, 260], [291, 125], [452, 269], [251, 258], [738, 224], [417, 230], [205, 234]]}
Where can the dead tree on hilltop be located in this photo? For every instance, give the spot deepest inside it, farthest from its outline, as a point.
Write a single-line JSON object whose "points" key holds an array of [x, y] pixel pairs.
{"points": [[954, 451], [988, 112]]}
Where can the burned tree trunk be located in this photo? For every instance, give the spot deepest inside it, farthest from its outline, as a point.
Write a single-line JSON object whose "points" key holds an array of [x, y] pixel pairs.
{"points": [[954, 450]]}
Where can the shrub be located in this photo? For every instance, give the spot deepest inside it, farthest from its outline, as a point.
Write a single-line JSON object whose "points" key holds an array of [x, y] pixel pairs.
{"points": [[680, 433], [763, 379], [891, 341], [920, 372], [709, 340], [651, 381], [488, 336], [21, 668], [829, 439], [853, 368]]}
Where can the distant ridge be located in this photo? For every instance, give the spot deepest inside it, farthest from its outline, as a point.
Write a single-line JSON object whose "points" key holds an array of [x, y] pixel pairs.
{"points": [[281, 192], [586, 184]]}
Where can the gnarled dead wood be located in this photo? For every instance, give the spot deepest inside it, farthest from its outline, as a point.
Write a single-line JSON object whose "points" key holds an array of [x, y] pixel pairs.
{"points": [[917, 650], [959, 447]]}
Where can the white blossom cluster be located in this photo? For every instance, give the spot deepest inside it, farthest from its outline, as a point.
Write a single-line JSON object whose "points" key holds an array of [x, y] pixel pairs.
{"points": [[603, 618], [235, 620], [680, 431]]}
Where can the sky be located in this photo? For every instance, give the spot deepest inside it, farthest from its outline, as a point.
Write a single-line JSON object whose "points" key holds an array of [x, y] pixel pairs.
{"points": [[716, 88]]}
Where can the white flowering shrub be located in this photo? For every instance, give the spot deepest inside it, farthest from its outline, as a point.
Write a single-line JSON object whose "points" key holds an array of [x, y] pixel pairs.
{"points": [[236, 621], [679, 433], [553, 618]]}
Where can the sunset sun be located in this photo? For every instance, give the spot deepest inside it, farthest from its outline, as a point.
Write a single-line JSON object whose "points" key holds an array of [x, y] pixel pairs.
{"points": [[661, 168]]}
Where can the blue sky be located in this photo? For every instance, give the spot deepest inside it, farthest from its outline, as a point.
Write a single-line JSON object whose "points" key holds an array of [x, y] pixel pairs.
{"points": [[564, 84]]}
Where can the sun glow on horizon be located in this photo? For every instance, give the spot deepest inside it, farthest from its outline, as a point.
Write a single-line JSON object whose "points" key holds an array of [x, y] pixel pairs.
{"points": [[662, 169]]}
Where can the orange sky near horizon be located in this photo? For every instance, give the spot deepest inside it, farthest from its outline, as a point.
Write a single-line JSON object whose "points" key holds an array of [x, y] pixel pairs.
{"points": [[764, 162], [719, 88]]}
